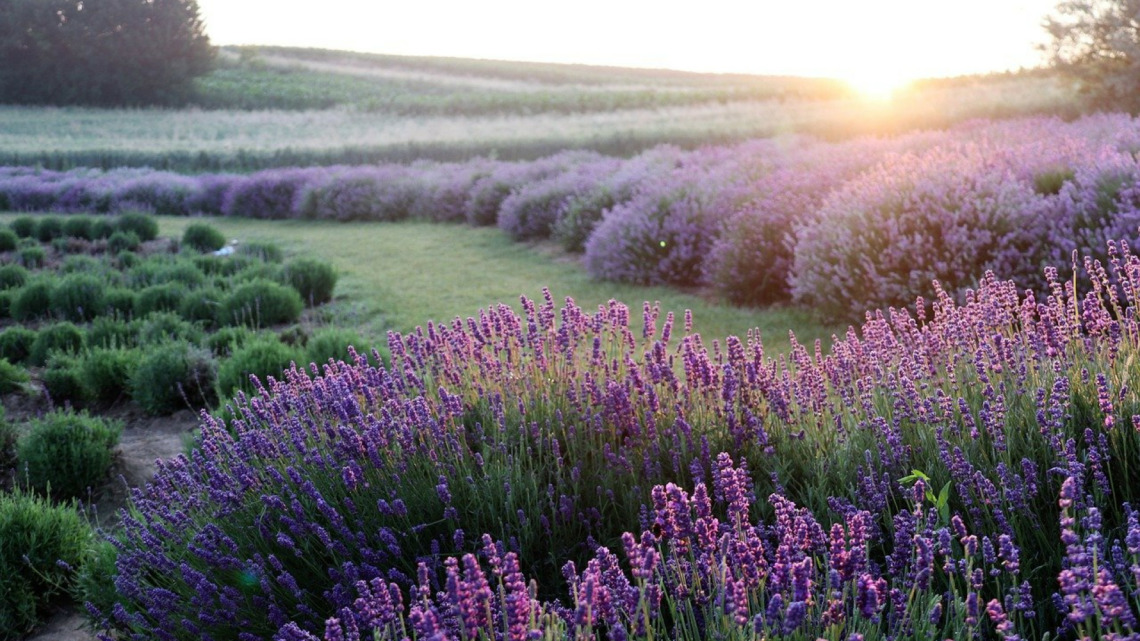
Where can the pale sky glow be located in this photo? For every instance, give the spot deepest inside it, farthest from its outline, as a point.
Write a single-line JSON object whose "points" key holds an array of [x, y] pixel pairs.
{"points": [[849, 39]]}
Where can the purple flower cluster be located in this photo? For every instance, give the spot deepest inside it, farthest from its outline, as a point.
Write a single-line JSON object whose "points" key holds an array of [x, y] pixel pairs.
{"points": [[696, 576]]}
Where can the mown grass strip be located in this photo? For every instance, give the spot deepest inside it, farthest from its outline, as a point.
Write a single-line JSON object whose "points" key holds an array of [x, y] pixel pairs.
{"points": [[400, 275]]}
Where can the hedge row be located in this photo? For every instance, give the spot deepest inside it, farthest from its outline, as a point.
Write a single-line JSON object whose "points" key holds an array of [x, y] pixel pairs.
{"points": [[842, 227]]}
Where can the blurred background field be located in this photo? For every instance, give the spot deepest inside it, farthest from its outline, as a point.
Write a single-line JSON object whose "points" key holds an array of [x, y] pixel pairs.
{"points": [[268, 107]]}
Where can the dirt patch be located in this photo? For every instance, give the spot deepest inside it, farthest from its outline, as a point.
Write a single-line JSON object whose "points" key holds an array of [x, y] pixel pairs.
{"points": [[64, 625]]}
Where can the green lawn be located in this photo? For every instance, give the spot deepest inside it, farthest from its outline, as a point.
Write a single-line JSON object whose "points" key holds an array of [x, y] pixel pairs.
{"points": [[400, 275]]}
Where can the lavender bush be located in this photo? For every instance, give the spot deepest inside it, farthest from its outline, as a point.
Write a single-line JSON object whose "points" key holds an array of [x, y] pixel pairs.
{"points": [[664, 231], [269, 194], [759, 222], [750, 261], [380, 194], [583, 212], [532, 211], [446, 188], [967, 472]]}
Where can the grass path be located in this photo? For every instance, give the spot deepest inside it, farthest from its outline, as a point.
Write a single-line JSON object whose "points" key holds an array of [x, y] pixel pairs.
{"points": [[400, 275]]}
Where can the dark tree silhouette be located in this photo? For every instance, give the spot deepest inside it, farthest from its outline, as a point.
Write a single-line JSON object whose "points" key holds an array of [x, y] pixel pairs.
{"points": [[101, 52], [1097, 43]]}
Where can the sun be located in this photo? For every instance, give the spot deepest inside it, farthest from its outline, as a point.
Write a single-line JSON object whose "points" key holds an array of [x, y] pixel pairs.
{"points": [[875, 85]]}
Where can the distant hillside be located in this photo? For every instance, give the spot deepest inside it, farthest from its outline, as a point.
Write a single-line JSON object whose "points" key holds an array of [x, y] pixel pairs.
{"points": [[276, 107], [291, 78]]}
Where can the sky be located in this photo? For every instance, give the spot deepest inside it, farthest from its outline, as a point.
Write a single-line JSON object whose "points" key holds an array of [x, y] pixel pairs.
{"points": [[846, 39]]}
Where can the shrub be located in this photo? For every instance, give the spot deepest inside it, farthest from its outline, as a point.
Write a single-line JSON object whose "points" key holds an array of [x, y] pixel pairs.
{"points": [[295, 336], [252, 271], [163, 193], [267, 194], [223, 265], [79, 227], [16, 343], [123, 241], [159, 298], [42, 542], [48, 228], [107, 372], [102, 228], [95, 581], [6, 304], [164, 268], [64, 380], [181, 271], [65, 245], [60, 337], [83, 264], [260, 303], [264, 252], [533, 209], [211, 193], [24, 226], [581, 215], [160, 327], [77, 297], [9, 241], [145, 273], [67, 452], [143, 226], [174, 375], [119, 302], [1099, 202], [227, 340], [659, 237], [201, 306], [33, 301], [488, 193], [333, 343], [261, 357], [203, 238], [446, 189], [12, 377], [111, 332], [751, 261], [372, 193], [80, 192], [883, 238], [127, 259], [12, 276], [33, 257], [314, 280]]}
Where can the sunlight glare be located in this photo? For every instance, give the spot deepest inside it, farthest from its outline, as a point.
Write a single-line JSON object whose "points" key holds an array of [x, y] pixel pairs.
{"points": [[875, 86]]}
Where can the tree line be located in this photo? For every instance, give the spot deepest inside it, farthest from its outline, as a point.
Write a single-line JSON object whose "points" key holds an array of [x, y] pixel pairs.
{"points": [[101, 52]]}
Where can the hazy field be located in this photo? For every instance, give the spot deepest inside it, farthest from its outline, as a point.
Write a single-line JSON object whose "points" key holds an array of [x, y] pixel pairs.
{"points": [[332, 108]]}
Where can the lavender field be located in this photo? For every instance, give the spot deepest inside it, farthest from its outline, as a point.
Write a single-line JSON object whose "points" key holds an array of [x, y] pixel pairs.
{"points": [[508, 321], [962, 463], [838, 227], [607, 474]]}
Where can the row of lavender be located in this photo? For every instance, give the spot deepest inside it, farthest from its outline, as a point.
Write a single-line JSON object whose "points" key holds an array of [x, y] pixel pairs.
{"points": [[555, 474], [841, 227]]}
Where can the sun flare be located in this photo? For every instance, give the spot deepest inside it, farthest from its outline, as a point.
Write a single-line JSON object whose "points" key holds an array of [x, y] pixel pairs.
{"points": [[877, 87]]}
